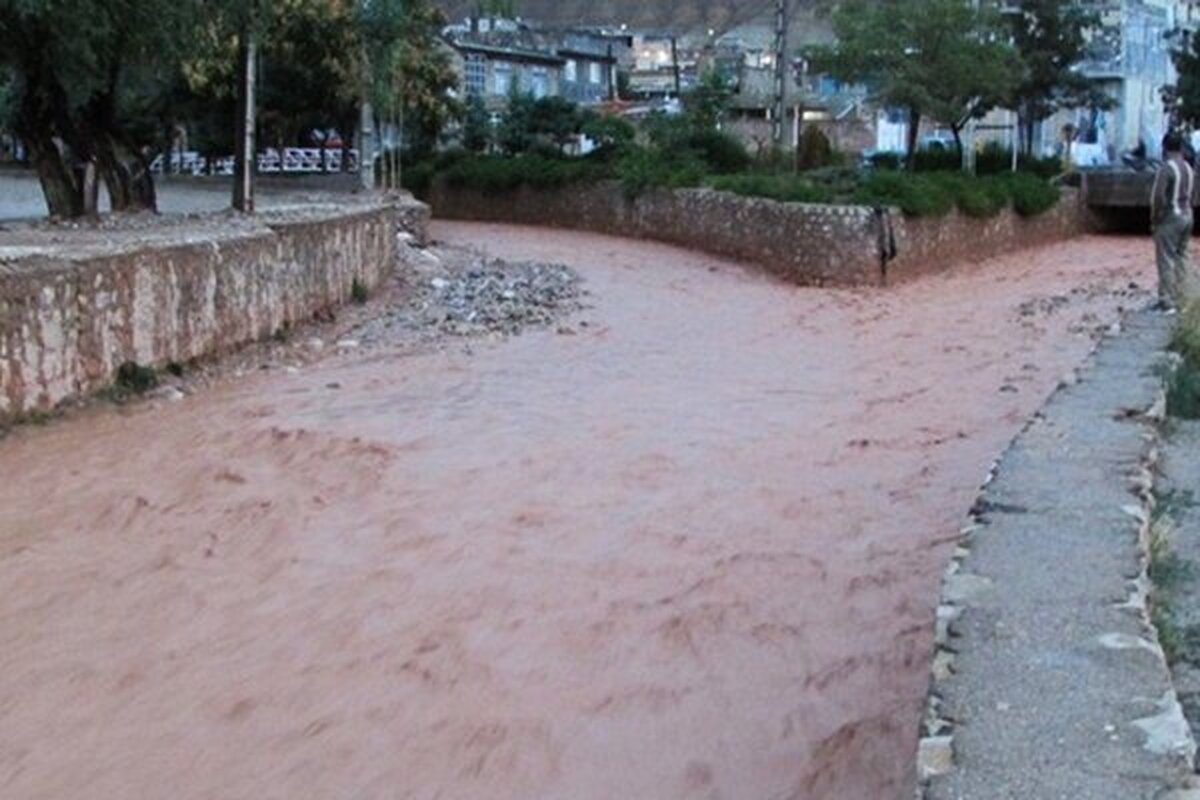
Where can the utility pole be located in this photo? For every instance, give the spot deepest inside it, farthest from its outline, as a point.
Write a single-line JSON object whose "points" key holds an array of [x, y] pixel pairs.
{"points": [[245, 153], [781, 70], [968, 149], [675, 66], [366, 143]]}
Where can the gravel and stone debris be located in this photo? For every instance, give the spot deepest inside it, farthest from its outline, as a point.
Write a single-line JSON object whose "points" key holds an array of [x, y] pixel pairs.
{"points": [[457, 294]]}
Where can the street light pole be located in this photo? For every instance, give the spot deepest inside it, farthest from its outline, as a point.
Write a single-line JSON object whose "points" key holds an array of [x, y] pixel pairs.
{"points": [[781, 67]]}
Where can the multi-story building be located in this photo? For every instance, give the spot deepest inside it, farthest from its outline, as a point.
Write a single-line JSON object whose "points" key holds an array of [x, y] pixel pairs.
{"points": [[495, 57], [659, 65]]}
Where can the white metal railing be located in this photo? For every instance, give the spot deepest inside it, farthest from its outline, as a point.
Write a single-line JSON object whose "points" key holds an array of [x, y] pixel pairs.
{"points": [[299, 160]]}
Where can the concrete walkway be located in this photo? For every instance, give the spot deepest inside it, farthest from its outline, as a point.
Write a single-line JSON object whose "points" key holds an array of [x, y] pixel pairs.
{"points": [[1050, 681]]}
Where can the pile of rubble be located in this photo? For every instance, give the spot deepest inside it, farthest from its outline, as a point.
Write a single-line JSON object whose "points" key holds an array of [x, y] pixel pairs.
{"points": [[459, 294]]}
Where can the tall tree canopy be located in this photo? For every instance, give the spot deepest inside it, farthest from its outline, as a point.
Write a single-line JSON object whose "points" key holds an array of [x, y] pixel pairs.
{"points": [[101, 85], [1051, 37], [80, 70], [939, 59]]}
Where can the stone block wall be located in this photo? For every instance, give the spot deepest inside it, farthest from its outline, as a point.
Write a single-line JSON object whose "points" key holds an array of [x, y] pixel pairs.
{"points": [[412, 216], [802, 243], [932, 244], [69, 317]]}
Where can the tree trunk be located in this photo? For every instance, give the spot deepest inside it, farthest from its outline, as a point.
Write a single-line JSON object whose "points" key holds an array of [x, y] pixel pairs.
{"points": [[125, 173], [914, 135], [1026, 126], [366, 148], [40, 116], [64, 196], [244, 150]]}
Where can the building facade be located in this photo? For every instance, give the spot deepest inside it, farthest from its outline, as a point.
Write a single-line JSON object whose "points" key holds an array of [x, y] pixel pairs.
{"points": [[1130, 63], [494, 58]]}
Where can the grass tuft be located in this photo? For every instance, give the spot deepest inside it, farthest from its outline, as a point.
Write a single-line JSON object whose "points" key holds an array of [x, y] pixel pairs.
{"points": [[358, 293]]}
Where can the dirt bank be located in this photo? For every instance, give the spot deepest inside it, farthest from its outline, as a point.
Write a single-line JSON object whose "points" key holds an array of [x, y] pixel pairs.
{"points": [[689, 551]]}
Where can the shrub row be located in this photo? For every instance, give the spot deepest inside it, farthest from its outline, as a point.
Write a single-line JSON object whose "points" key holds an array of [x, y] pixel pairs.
{"points": [[992, 159], [639, 169], [497, 174], [784, 188], [935, 194]]}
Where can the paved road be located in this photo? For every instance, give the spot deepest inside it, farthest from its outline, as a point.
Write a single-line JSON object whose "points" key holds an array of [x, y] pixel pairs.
{"points": [[21, 195], [691, 552]]}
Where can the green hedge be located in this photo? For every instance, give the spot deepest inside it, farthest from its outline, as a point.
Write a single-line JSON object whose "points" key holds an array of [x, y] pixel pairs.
{"points": [[992, 159], [495, 174], [784, 188], [927, 194], [639, 170], [720, 152], [916, 195], [935, 194], [1030, 194]]}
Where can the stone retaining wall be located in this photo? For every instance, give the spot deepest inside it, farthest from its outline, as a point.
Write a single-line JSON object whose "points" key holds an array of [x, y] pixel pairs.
{"points": [[803, 243], [71, 315]]}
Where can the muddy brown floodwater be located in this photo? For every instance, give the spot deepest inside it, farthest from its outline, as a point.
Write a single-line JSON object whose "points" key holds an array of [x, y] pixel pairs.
{"points": [[691, 552]]}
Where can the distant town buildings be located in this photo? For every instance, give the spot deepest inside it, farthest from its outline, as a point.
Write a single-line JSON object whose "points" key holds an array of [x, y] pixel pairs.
{"points": [[1130, 62]]}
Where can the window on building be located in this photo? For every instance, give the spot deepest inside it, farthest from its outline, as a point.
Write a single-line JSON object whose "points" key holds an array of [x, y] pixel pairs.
{"points": [[502, 75], [571, 70], [539, 79], [475, 74], [595, 74]]}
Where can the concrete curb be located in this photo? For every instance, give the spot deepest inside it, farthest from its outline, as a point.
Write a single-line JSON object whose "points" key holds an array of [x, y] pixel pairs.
{"points": [[1048, 679]]}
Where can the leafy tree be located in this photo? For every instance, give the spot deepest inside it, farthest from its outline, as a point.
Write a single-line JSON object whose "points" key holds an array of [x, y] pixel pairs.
{"points": [[707, 104], [409, 72], [972, 76], [609, 132], [507, 9], [624, 85], [477, 125], [1051, 38], [515, 134], [7, 108], [82, 69], [555, 119], [815, 149], [940, 59], [546, 122], [426, 79], [308, 71]]}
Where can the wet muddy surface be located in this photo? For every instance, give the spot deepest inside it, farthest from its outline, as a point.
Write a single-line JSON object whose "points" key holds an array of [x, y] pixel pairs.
{"points": [[689, 550]]}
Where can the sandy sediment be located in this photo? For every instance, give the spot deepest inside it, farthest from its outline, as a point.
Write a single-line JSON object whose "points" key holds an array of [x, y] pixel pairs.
{"points": [[690, 550]]}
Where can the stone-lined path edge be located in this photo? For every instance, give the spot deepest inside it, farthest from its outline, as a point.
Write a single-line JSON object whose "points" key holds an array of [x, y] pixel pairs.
{"points": [[1048, 680]]}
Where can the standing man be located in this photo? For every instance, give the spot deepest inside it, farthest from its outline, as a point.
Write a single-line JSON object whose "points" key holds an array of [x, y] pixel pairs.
{"points": [[1171, 215]]}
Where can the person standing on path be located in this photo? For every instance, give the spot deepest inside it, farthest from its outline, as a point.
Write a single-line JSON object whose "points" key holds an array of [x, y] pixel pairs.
{"points": [[1171, 215]]}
